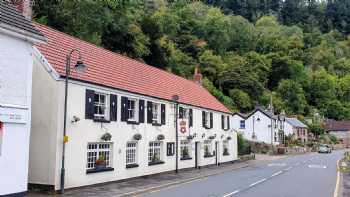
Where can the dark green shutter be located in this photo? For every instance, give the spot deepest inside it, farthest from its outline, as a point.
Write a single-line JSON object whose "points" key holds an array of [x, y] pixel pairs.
{"points": [[89, 104], [191, 117], [124, 109], [222, 122], [211, 120], [113, 107], [162, 108], [203, 119], [141, 111], [228, 122]]}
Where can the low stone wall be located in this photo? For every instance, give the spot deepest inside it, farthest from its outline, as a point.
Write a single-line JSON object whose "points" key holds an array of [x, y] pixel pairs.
{"points": [[247, 157]]}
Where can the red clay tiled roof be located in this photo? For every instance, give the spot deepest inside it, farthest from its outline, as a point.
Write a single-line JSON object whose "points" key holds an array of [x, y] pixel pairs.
{"points": [[333, 125], [114, 70]]}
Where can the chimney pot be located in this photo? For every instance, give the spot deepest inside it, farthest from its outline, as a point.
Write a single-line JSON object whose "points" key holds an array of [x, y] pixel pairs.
{"points": [[23, 6], [197, 76]]}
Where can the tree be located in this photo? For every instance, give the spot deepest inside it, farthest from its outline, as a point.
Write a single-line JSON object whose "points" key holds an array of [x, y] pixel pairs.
{"points": [[293, 96], [241, 100], [316, 129]]}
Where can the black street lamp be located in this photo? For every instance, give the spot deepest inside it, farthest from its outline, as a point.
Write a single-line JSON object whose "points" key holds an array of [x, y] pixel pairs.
{"points": [[175, 98], [80, 68]]}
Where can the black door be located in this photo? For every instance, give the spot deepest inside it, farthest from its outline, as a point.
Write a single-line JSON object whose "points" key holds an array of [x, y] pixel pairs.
{"points": [[216, 153], [196, 154]]}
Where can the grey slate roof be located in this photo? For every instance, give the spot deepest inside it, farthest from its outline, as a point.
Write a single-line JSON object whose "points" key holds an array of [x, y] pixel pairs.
{"points": [[13, 20], [296, 123]]}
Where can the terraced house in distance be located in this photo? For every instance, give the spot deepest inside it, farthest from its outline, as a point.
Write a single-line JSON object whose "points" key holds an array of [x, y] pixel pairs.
{"points": [[124, 118]]}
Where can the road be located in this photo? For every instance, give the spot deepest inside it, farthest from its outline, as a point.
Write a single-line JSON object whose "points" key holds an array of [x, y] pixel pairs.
{"points": [[297, 176]]}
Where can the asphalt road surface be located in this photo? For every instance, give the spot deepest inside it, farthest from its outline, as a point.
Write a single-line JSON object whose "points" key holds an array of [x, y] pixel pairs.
{"points": [[310, 175]]}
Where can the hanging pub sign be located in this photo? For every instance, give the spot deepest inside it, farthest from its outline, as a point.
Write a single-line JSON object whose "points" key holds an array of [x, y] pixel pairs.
{"points": [[183, 125]]}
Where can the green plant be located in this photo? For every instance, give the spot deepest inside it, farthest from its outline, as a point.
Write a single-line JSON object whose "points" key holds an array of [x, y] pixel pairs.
{"points": [[155, 158], [101, 160], [106, 137], [243, 145]]}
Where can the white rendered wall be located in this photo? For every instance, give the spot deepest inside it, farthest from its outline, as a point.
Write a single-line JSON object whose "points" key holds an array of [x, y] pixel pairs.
{"points": [[49, 131], [15, 97], [260, 128]]}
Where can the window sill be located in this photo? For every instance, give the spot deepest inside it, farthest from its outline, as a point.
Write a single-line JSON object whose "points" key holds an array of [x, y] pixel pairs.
{"points": [[132, 165], [206, 127], [156, 124], [186, 158], [155, 163], [226, 129], [226, 154], [99, 170], [132, 122], [208, 156], [101, 120]]}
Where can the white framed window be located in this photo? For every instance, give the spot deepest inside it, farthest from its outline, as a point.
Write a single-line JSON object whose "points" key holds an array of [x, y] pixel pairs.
{"points": [[185, 112], [155, 151], [185, 149], [226, 119], [156, 112], [207, 119], [207, 148], [225, 149], [132, 109], [242, 124], [131, 153], [101, 109], [96, 151]]}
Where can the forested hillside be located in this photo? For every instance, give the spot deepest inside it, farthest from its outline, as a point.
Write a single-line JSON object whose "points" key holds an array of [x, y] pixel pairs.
{"points": [[298, 51]]}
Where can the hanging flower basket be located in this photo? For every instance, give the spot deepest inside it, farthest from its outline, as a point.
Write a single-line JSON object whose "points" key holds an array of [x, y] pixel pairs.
{"points": [[137, 136], [211, 137], [160, 137], [229, 138], [106, 137], [190, 137]]}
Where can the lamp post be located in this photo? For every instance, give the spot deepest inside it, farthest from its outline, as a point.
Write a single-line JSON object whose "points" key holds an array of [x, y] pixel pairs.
{"points": [[79, 67], [175, 98]]}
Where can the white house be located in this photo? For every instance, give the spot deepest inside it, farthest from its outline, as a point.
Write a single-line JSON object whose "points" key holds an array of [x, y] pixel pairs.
{"points": [[263, 126], [17, 35], [238, 122], [129, 101], [296, 127]]}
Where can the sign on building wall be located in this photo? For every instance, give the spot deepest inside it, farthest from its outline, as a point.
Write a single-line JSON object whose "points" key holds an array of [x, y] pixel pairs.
{"points": [[13, 78], [13, 115]]}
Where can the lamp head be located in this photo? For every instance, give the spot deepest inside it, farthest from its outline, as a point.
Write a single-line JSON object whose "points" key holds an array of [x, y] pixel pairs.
{"points": [[80, 67]]}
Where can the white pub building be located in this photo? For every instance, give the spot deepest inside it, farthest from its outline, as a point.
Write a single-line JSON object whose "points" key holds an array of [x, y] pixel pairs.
{"points": [[17, 36], [121, 118]]}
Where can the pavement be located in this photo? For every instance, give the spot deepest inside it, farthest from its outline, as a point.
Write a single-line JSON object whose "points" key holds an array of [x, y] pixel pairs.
{"points": [[306, 175]]}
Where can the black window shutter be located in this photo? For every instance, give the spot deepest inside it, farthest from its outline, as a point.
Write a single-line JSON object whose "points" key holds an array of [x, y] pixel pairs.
{"points": [[203, 119], [181, 112], [124, 109], [211, 120], [89, 104], [228, 122], [149, 112], [141, 111], [222, 122], [113, 107], [191, 117], [162, 108]]}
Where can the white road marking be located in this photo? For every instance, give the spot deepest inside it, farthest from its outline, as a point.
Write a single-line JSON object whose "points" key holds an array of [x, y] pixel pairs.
{"points": [[260, 181], [277, 173], [288, 168], [335, 194], [232, 193], [317, 166], [276, 164]]}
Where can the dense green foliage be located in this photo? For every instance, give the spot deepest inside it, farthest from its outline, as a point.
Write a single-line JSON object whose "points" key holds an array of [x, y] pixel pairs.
{"points": [[295, 51]]}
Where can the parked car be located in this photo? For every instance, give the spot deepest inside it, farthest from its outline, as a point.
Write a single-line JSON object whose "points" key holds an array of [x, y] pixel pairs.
{"points": [[324, 148]]}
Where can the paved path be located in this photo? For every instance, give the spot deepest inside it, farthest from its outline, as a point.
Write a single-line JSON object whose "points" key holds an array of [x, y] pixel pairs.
{"points": [[302, 176]]}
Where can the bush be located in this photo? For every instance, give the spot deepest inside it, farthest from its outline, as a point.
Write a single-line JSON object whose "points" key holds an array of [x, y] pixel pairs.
{"points": [[243, 145]]}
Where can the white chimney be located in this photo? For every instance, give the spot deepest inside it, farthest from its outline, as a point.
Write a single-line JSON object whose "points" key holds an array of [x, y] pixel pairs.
{"points": [[197, 77]]}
